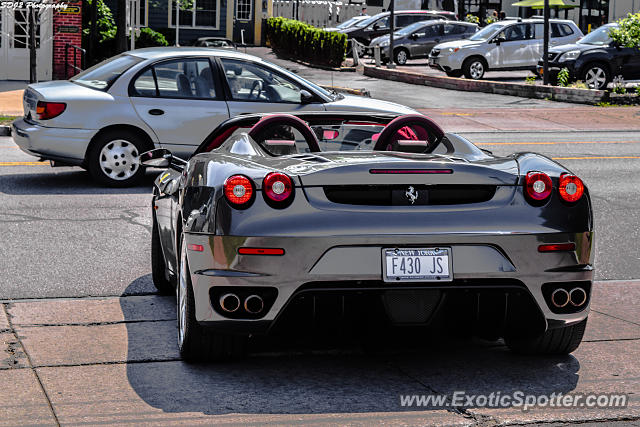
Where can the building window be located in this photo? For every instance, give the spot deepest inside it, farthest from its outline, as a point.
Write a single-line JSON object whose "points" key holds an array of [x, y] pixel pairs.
{"points": [[21, 29], [243, 10], [198, 14]]}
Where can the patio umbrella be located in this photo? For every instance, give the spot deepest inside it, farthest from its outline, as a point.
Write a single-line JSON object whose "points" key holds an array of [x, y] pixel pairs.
{"points": [[539, 4]]}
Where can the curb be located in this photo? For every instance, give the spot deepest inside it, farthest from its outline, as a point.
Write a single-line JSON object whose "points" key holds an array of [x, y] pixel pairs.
{"points": [[5, 130], [555, 93], [310, 65], [350, 91]]}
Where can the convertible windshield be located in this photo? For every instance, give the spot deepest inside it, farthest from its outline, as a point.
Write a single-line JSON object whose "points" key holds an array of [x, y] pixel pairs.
{"points": [[599, 37], [486, 32], [101, 76]]}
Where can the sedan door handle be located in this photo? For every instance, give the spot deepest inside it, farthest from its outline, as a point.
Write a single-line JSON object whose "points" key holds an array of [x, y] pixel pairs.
{"points": [[156, 112]]}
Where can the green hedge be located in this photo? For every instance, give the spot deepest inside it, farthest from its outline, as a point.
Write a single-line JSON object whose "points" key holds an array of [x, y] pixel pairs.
{"points": [[306, 42]]}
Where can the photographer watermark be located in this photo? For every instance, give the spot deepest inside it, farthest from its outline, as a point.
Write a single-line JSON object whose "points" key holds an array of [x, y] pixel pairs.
{"points": [[33, 5], [517, 399]]}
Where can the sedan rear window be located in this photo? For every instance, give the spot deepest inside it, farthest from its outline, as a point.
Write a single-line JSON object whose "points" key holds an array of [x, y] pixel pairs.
{"points": [[101, 76]]}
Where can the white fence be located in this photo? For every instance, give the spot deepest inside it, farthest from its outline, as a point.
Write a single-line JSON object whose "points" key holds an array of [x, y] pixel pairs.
{"points": [[320, 13]]}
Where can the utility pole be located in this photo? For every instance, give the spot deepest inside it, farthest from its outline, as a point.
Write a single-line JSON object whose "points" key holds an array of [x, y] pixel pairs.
{"points": [[545, 51], [33, 74], [392, 27], [93, 16], [177, 23]]}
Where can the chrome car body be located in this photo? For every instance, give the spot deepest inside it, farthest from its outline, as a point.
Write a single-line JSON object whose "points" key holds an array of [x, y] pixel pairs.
{"points": [[160, 97], [503, 45], [512, 260]]}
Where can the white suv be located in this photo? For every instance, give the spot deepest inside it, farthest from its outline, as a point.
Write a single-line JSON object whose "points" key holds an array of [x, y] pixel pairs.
{"points": [[504, 45]]}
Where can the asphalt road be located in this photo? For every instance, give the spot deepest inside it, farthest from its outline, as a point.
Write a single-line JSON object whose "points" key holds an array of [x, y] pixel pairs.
{"points": [[64, 236]]}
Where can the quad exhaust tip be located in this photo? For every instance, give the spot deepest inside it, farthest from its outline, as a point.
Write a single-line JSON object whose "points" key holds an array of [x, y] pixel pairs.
{"points": [[577, 297], [230, 302], [253, 304]]}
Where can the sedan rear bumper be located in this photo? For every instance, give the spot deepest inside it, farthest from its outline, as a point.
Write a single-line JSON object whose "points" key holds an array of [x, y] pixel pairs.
{"points": [[67, 145]]}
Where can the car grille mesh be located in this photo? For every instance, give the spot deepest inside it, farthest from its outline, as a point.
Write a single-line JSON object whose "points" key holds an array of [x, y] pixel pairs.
{"points": [[402, 195]]}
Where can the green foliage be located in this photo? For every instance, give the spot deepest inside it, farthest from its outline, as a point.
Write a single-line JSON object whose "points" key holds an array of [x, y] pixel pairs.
{"points": [[306, 42], [105, 28], [472, 18], [628, 32], [490, 19], [531, 80], [150, 38], [563, 77], [579, 85], [638, 90], [619, 85]]}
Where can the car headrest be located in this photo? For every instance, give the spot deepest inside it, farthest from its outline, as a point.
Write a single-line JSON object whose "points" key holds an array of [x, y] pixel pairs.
{"points": [[410, 145], [281, 147]]}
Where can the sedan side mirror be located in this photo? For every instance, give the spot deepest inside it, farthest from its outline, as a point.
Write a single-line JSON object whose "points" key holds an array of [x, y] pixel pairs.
{"points": [[306, 97], [413, 36], [161, 158]]}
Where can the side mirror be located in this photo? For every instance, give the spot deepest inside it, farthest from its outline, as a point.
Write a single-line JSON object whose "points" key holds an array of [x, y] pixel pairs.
{"points": [[306, 97], [413, 36], [376, 26], [501, 38], [161, 158]]}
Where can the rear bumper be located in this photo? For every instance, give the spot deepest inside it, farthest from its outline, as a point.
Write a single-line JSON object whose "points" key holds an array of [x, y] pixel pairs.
{"points": [[67, 145], [352, 266]]}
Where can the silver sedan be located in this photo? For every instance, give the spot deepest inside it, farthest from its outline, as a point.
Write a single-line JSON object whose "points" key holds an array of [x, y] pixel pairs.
{"points": [[103, 118]]}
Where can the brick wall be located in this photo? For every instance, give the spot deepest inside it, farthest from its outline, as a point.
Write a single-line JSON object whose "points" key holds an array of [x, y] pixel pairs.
{"points": [[63, 24]]}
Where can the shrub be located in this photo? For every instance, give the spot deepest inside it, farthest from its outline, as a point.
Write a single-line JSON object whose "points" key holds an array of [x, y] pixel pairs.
{"points": [[150, 38], [105, 27], [472, 18], [638, 90], [628, 32], [619, 85], [306, 42], [563, 77]]}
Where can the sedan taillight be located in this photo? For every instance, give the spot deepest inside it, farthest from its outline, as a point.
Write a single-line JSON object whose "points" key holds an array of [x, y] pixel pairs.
{"points": [[278, 190], [49, 110], [571, 188], [538, 186], [238, 189]]}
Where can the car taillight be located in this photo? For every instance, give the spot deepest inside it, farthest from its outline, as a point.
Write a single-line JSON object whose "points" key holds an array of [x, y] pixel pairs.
{"points": [[278, 189], [49, 110], [238, 189], [571, 188], [538, 186]]}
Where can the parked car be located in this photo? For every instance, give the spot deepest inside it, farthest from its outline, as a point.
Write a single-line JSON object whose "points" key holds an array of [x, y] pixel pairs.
{"points": [[416, 40], [378, 25], [501, 46], [595, 59], [364, 220], [348, 23], [104, 117], [217, 42]]}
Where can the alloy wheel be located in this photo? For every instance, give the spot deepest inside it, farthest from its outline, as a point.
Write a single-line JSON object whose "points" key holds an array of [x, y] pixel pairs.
{"points": [[119, 159], [595, 78], [401, 57], [476, 70]]}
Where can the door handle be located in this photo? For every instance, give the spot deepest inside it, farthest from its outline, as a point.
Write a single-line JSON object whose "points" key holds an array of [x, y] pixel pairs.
{"points": [[156, 112]]}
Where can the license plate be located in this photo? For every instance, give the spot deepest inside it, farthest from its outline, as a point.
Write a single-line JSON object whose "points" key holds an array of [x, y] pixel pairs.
{"points": [[417, 265]]}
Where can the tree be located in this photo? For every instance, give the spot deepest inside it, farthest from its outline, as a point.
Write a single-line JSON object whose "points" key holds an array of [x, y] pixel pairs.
{"points": [[628, 32], [121, 23]]}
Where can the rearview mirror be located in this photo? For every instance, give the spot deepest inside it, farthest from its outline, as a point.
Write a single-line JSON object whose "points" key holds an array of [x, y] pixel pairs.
{"points": [[306, 97], [161, 158]]}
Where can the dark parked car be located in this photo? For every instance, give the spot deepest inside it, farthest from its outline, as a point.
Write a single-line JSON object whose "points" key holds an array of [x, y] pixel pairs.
{"points": [[595, 59], [339, 221], [416, 40], [378, 25]]}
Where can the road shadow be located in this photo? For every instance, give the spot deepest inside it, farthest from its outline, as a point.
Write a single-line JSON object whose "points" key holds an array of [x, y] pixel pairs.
{"points": [[67, 181], [340, 377]]}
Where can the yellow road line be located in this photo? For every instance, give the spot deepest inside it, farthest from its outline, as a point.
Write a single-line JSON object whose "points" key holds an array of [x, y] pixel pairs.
{"points": [[559, 142], [595, 157], [24, 163]]}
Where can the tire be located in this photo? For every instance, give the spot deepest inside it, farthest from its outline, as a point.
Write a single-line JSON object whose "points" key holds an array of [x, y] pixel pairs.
{"points": [[596, 76], [454, 73], [158, 265], [195, 342], [123, 171], [559, 341], [400, 56], [474, 68]]}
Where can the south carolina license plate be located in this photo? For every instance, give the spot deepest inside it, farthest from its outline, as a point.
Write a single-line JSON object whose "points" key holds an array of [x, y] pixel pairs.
{"points": [[417, 265]]}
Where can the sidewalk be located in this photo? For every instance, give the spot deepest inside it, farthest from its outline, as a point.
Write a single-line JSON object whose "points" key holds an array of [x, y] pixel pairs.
{"points": [[114, 361], [11, 97]]}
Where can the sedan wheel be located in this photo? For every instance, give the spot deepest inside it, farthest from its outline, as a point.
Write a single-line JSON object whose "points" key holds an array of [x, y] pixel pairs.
{"points": [[113, 159], [401, 57], [596, 77]]}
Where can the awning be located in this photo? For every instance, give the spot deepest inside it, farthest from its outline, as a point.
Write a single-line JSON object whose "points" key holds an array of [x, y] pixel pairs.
{"points": [[539, 4]]}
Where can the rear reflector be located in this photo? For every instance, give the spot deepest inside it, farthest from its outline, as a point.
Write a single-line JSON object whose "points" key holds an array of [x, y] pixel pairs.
{"points": [[557, 247], [260, 251], [410, 171], [197, 248]]}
